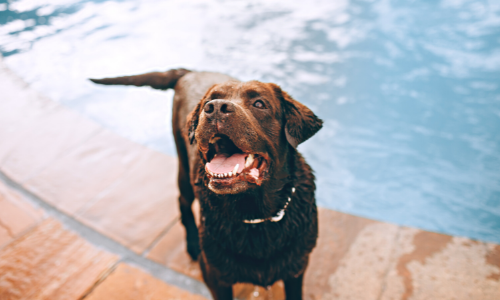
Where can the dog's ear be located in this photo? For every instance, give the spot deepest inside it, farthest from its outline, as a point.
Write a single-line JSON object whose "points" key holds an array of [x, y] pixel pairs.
{"points": [[194, 116], [192, 121], [300, 122]]}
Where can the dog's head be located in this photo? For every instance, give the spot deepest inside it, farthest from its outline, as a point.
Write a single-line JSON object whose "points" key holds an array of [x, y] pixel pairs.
{"points": [[245, 131]]}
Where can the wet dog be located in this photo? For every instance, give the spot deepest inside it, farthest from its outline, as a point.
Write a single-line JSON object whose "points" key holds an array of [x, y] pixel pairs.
{"points": [[236, 144]]}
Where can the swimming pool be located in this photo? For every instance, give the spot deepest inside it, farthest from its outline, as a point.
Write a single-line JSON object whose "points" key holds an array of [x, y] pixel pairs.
{"points": [[408, 90]]}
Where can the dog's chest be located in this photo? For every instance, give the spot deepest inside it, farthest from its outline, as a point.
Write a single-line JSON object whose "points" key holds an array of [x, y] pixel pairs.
{"points": [[258, 241], [260, 253]]}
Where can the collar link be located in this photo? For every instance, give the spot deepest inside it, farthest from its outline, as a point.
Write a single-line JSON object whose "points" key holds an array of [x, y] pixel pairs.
{"points": [[276, 218]]}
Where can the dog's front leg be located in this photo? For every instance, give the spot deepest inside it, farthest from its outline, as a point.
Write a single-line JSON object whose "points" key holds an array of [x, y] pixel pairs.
{"points": [[186, 199], [293, 288], [218, 290]]}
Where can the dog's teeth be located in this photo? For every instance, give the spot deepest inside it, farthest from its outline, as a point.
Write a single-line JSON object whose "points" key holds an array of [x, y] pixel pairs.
{"points": [[249, 161], [225, 174], [230, 174], [235, 170]]}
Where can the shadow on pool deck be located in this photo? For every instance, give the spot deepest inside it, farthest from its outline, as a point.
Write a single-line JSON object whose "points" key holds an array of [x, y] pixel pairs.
{"points": [[87, 214]]}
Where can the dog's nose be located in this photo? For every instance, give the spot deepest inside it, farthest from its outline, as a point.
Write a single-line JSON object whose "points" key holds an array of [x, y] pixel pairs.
{"points": [[216, 107]]}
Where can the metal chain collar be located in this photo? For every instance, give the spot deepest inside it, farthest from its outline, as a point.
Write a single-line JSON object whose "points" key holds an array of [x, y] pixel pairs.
{"points": [[276, 218]]}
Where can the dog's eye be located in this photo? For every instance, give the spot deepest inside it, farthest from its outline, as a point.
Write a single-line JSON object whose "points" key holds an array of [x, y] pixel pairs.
{"points": [[258, 104]]}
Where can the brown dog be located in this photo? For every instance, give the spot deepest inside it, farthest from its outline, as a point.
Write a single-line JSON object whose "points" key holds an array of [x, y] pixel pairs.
{"points": [[236, 143]]}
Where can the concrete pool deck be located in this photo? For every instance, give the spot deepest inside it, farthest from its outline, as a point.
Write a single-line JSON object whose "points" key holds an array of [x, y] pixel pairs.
{"points": [[87, 214]]}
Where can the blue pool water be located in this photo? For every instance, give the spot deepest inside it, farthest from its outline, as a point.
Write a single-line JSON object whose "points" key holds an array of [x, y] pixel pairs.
{"points": [[409, 90]]}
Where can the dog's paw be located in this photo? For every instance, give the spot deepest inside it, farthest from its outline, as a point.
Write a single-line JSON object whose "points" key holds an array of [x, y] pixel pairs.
{"points": [[193, 248]]}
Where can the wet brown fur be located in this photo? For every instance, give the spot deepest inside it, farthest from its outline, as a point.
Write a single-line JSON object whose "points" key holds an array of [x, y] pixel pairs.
{"points": [[232, 251]]}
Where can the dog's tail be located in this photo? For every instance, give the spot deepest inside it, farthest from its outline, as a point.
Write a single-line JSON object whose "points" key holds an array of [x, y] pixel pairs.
{"points": [[157, 80]]}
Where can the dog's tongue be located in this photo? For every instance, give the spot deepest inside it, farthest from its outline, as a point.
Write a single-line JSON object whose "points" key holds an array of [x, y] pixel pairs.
{"points": [[222, 163]]}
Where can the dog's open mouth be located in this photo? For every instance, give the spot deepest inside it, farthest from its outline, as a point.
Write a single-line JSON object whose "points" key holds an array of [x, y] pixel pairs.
{"points": [[225, 161]]}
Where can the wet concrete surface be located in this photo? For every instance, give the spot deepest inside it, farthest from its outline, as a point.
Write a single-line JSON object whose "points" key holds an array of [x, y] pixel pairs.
{"points": [[85, 213], [51, 263]]}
